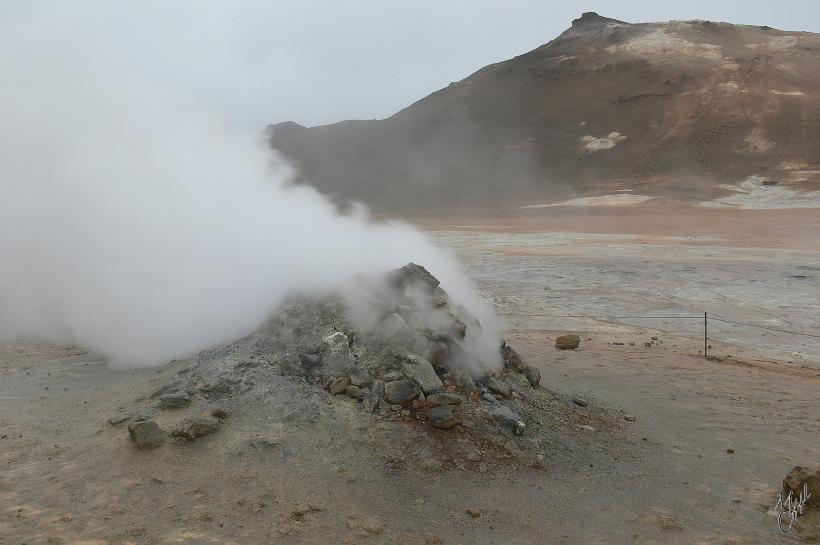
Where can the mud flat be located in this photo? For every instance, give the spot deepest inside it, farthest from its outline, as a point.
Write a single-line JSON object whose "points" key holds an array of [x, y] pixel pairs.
{"points": [[538, 279]]}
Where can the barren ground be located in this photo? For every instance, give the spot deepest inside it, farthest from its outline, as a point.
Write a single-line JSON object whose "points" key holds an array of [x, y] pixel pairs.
{"points": [[667, 476]]}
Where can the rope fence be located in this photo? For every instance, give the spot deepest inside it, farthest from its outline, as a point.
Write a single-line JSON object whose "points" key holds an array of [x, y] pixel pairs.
{"points": [[706, 318]]}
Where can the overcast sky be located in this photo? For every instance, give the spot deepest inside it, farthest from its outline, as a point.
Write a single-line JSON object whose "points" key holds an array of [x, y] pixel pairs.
{"points": [[316, 62]]}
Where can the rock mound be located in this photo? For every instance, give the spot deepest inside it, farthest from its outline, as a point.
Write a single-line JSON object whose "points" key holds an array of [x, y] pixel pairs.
{"points": [[397, 357]]}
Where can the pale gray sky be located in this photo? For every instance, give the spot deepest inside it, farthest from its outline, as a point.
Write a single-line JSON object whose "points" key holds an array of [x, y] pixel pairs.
{"points": [[317, 62]]}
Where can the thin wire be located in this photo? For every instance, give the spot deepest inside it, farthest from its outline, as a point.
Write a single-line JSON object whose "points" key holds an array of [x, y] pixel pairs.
{"points": [[766, 327], [667, 318]]}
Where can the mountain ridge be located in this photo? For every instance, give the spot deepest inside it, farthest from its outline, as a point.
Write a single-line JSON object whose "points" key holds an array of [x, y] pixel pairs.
{"points": [[683, 110]]}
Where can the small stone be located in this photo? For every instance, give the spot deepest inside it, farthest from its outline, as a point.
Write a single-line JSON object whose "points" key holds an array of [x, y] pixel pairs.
{"points": [[567, 342], [629, 418], [219, 412], [443, 398], [532, 375], [648, 344], [146, 434], [730, 451], [474, 456], [355, 392], [487, 396], [580, 402], [374, 397], [442, 417], [176, 400], [359, 377], [339, 385], [119, 418], [391, 376], [369, 525], [474, 513], [401, 392], [197, 426], [310, 361], [499, 387]]}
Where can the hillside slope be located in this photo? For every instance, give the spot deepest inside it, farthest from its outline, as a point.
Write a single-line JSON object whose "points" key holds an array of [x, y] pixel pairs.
{"points": [[675, 110]]}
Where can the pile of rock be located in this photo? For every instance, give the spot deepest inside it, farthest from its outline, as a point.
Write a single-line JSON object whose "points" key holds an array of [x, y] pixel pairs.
{"points": [[418, 357]]}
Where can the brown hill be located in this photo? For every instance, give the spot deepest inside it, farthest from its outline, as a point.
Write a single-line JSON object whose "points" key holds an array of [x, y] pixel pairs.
{"points": [[662, 109]]}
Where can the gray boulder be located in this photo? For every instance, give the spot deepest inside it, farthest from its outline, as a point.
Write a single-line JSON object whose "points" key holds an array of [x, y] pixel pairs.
{"points": [[533, 375], [146, 434], [355, 392], [511, 358], [568, 342], [507, 418], [442, 417], [359, 377], [394, 330], [197, 426], [443, 398], [119, 418], [339, 385], [422, 373], [175, 400], [412, 275], [401, 392], [336, 357], [374, 397], [499, 387]]}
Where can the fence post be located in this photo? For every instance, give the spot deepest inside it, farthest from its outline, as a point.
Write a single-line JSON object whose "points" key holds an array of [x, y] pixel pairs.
{"points": [[705, 336]]}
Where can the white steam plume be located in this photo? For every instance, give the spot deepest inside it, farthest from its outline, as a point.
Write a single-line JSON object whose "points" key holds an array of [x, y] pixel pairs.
{"points": [[135, 222]]}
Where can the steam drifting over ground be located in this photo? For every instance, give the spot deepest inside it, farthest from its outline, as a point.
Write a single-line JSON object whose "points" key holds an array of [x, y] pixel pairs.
{"points": [[134, 220]]}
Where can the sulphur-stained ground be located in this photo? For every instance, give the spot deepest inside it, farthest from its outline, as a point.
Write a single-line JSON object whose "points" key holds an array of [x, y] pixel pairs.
{"points": [[660, 445]]}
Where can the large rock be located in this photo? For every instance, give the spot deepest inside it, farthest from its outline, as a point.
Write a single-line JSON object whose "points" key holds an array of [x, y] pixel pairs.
{"points": [[794, 480], [197, 426], [394, 330], [336, 357], [499, 387], [442, 417], [401, 392], [338, 385], [568, 342], [437, 353], [146, 434], [422, 373], [175, 400], [507, 418], [443, 398], [412, 275], [439, 297], [359, 376], [511, 358], [372, 400], [533, 375]]}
